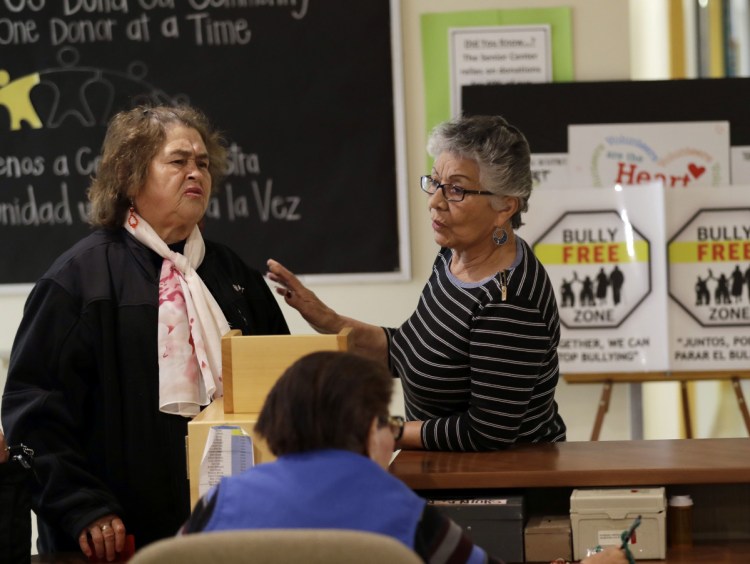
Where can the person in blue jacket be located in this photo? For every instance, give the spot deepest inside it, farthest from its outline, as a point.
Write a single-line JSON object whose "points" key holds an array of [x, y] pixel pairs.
{"points": [[327, 421]]}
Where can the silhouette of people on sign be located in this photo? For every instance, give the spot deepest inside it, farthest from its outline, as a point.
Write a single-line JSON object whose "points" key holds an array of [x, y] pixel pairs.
{"points": [[566, 292], [616, 279], [587, 292], [702, 295], [594, 291], [602, 283], [728, 289], [737, 280], [721, 294]]}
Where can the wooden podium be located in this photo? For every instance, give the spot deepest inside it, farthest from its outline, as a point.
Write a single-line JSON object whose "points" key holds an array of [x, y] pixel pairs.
{"points": [[250, 367]]}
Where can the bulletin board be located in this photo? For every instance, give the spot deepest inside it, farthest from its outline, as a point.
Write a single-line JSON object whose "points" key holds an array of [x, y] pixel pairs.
{"points": [[308, 94]]}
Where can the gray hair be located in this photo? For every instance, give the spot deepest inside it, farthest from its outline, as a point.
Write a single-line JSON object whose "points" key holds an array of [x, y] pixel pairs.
{"points": [[500, 150]]}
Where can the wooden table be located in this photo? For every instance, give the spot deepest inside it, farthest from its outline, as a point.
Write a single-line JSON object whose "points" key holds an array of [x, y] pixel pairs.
{"points": [[716, 472]]}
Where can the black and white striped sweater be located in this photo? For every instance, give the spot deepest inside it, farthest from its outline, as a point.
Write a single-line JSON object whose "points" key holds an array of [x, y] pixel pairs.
{"points": [[478, 362]]}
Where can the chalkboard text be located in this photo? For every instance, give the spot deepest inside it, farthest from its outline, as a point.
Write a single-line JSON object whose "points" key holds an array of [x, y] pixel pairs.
{"points": [[33, 212], [16, 167], [204, 30], [219, 32], [269, 207]]}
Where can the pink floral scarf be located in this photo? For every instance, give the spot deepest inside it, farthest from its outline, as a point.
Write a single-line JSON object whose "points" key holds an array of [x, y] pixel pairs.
{"points": [[191, 325]]}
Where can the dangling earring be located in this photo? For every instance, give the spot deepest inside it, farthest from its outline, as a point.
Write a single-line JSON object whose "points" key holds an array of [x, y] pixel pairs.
{"points": [[500, 236], [132, 218]]}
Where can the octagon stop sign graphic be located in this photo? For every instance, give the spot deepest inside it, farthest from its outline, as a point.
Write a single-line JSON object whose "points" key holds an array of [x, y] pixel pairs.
{"points": [[709, 267], [599, 265]]}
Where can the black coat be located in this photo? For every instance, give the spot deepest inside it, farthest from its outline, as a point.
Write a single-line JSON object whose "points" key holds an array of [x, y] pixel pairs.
{"points": [[82, 388]]}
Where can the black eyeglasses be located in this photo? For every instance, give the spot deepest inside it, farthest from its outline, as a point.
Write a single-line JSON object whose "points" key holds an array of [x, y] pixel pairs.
{"points": [[395, 423], [451, 192]]}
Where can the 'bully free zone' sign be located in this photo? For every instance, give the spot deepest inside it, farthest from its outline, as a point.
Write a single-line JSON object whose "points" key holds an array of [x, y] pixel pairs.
{"points": [[604, 251]]}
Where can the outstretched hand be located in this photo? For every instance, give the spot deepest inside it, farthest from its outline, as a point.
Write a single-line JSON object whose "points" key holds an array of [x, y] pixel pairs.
{"points": [[320, 317]]}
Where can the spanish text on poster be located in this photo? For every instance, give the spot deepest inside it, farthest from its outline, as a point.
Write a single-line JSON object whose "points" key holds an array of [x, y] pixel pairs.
{"points": [[709, 278]]}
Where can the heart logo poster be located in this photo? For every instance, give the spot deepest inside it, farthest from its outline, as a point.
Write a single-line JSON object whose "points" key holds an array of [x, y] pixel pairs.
{"points": [[679, 155]]}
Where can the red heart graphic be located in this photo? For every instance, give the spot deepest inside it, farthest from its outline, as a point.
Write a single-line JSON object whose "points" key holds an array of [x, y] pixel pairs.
{"points": [[696, 170]]}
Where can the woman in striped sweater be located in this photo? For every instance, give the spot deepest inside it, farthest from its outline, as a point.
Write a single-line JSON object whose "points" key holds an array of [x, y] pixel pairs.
{"points": [[478, 357]]}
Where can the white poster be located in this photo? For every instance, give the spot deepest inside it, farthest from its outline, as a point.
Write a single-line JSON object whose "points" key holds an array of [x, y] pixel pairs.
{"points": [[679, 155], [708, 254], [550, 170], [604, 251], [498, 54], [740, 157]]}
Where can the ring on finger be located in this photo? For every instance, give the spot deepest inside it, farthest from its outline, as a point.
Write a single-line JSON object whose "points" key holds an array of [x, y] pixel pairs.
{"points": [[105, 527]]}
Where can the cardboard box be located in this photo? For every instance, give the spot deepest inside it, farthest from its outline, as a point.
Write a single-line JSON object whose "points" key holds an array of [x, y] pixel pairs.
{"points": [[599, 516], [548, 537], [494, 523]]}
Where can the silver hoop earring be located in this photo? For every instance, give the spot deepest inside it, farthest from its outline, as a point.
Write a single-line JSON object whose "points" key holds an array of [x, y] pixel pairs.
{"points": [[500, 236]]}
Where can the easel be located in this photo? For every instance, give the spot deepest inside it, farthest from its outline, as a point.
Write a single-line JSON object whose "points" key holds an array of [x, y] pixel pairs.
{"points": [[682, 377]]}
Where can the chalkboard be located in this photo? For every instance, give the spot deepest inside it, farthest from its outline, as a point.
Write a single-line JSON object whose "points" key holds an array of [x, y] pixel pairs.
{"points": [[307, 94], [544, 111]]}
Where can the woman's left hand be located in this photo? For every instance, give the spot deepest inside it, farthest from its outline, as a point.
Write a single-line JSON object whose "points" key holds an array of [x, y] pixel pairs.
{"points": [[107, 536]]}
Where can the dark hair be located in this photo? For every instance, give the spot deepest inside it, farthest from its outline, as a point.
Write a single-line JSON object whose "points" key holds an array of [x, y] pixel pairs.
{"points": [[500, 150], [325, 400], [133, 139]]}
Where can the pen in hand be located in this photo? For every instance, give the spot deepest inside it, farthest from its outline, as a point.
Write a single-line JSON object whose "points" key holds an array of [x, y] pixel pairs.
{"points": [[629, 533]]}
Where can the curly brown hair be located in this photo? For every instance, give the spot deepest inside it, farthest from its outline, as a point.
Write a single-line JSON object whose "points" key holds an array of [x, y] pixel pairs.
{"points": [[133, 139]]}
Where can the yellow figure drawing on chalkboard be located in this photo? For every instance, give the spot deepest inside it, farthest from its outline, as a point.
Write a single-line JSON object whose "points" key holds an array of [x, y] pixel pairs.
{"points": [[15, 96]]}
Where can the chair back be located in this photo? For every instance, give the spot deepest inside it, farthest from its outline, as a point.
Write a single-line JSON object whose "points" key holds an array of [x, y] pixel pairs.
{"points": [[278, 546]]}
